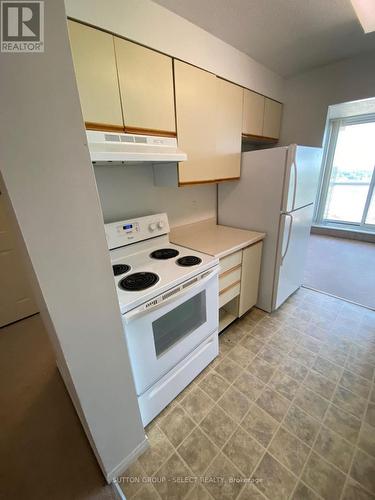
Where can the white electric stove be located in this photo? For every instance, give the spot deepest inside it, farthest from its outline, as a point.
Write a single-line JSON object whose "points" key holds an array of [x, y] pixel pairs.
{"points": [[168, 298]]}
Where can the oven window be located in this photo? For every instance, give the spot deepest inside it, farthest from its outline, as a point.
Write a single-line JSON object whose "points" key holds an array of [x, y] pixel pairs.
{"points": [[176, 324]]}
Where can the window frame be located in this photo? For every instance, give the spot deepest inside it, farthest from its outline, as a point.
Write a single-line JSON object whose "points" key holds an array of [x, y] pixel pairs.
{"points": [[329, 150]]}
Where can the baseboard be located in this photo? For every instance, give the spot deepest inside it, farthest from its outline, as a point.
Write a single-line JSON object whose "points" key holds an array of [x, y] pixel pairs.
{"points": [[349, 234], [127, 461], [337, 297], [117, 490]]}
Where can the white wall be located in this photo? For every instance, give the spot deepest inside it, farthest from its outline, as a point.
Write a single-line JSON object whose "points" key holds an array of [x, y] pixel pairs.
{"points": [[48, 178], [148, 23], [307, 96], [129, 191]]}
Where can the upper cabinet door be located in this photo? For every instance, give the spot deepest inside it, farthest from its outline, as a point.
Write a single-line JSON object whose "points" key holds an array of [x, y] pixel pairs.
{"points": [[95, 68], [272, 119], [146, 86], [196, 104], [228, 130], [253, 113]]}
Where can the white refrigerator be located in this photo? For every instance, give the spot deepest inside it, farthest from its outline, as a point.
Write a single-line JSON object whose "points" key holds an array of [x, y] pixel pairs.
{"points": [[275, 195]]}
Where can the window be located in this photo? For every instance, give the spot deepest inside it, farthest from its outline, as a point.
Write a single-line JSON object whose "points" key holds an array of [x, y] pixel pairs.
{"points": [[347, 194], [179, 322]]}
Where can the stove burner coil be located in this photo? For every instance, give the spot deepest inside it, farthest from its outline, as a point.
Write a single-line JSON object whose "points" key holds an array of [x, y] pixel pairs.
{"points": [[120, 269], [164, 253], [189, 260], [138, 281]]}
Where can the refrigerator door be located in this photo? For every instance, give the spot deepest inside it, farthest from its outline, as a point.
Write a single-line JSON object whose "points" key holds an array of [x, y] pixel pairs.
{"points": [[254, 202], [291, 252], [302, 177]]}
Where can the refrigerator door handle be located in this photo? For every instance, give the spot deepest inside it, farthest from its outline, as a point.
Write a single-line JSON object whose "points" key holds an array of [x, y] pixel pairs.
{"points": [[289, 234], [295, 182]]}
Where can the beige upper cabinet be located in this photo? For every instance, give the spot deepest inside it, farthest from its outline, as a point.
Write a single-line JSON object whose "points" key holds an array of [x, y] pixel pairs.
{"points": [[272, 118], [95, 67], [261, 115], [146, 87], [228, 130], [253, 113], [196, 104]]}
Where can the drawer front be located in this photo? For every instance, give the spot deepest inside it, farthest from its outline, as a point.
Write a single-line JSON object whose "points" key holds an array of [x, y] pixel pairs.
{"points": [[229, 278], [232, 260], [228, 294]]}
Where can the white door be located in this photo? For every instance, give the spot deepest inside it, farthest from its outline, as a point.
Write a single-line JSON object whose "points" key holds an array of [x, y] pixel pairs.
{"points": [[292, 250], [302, 176], [16, 298]]}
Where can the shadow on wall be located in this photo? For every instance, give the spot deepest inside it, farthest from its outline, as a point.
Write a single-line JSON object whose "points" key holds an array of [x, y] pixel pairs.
{"points": [[129, 191]]}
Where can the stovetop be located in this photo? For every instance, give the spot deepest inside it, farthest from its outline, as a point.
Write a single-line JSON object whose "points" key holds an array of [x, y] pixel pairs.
{"points": [[161, 274], [145, 264]]}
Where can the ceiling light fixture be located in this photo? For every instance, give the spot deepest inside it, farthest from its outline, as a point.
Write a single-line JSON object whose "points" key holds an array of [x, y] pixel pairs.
{"points": [[365, 10]]}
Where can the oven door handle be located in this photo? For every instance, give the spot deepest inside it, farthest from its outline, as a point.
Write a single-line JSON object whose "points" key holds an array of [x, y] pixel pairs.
{"points": [[141, 311]]}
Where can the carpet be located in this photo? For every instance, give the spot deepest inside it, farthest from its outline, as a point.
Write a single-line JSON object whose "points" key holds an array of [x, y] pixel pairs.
{"points": [[44, 452], [341, 267]]}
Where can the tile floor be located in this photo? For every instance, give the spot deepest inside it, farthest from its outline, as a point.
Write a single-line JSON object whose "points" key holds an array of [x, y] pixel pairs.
{"points": [[286, 411]]}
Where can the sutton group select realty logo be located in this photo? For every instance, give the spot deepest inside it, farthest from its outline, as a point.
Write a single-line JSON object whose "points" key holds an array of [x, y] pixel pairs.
{"points": [[22, 26]]}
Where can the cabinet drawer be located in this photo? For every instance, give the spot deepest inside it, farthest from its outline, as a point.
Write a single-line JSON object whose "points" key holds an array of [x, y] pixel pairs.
{"points": [[229, 278], [232, 260], [227, 294]]}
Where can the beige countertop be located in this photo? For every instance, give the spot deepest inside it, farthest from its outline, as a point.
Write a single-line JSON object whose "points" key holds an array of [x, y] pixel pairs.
{"points": [[208, 237]]}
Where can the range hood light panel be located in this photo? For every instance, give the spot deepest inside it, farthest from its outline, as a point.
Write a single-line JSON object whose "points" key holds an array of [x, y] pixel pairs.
{"points": [[108, 147]]}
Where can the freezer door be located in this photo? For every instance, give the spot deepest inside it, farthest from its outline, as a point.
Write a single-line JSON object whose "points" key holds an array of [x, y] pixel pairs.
{"points": [[302, 177], [291, 253], [254, 202]]}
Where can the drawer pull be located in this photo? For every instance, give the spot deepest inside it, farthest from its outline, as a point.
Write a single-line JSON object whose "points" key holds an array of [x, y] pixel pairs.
{"points": [[229, 270]]}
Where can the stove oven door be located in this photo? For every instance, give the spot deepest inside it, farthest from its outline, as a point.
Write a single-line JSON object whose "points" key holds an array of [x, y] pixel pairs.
{"points": [[162, 335]]}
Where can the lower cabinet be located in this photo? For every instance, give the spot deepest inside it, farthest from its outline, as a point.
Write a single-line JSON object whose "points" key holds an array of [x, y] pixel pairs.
{"points": [[251, 258], [238, 283]]}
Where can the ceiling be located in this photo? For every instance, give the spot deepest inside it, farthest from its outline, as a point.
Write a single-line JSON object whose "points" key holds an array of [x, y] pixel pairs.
{"points": [[287, 36]]}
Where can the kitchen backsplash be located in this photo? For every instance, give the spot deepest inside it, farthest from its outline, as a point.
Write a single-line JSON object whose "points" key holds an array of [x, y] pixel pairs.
{"points": [[129, 191]]}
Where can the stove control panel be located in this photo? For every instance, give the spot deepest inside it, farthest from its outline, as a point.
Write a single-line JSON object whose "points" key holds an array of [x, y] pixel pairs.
{"points": [[125, 232]]}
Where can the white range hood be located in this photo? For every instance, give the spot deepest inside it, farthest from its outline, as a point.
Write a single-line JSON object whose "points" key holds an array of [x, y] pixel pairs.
{"points": [[115, 147]]}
